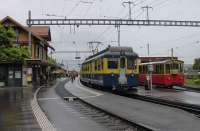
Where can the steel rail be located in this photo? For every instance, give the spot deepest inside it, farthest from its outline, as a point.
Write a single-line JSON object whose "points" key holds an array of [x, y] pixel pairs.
{"points": [[187, 107], [195, 109], [139, 127]]}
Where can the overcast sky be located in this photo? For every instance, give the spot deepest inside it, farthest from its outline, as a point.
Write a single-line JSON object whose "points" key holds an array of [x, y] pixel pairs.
{"points": [[184, 40]]}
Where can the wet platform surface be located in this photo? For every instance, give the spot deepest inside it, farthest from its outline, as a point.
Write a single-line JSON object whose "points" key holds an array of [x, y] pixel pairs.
{"points": [[154, 116], [181, 96], [15, 110], [61, 113]]}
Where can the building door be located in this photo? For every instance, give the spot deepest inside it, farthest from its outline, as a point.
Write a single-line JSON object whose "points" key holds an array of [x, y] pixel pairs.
{"points": [[3, 75], [15, 75]]}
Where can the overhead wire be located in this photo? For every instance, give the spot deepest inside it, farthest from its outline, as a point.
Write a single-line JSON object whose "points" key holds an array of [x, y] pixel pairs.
{"points": [[159, 3], [88, 9], [108, 28], [73, 8], [138, 10], [118, 13], [141, 11]]}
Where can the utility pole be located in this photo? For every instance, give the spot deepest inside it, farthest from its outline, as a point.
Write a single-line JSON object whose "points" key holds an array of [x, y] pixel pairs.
{"points": [[172, 52], [148, 50], [29, 33], [118, 31], [147, 9], [130, 9], [77, 53], [150, 70]]}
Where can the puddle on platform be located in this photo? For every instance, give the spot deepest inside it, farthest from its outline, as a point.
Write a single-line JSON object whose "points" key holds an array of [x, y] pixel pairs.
{"points": [[15, 110]]}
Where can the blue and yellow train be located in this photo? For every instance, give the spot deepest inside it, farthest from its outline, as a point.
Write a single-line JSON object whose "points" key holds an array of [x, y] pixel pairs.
{"points": [[115, 68]]}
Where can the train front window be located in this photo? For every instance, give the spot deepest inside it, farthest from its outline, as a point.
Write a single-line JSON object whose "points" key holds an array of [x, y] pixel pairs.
{"points": [[174, 66], [112, 63], [122, 62], [130, 63]]}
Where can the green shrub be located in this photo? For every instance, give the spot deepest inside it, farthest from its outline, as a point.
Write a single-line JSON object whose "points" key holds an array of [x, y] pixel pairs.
{"points": [[197, 81]]}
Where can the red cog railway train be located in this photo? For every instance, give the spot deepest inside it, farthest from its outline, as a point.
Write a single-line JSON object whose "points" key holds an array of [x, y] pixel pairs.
{"points": [[166, 73]]}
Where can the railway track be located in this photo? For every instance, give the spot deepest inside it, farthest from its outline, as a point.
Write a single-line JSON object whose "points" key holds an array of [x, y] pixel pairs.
{"points": [[111, 121], [187, 107], [107, 119], [192, 89], [185, 88], [194, 109]]}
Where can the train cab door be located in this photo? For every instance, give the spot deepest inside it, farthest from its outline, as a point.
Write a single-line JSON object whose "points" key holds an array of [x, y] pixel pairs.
{"points": [[122, 71]]}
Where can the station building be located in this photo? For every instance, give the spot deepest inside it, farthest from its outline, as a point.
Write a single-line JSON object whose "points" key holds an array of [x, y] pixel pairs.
{"points": [[20, 74]]}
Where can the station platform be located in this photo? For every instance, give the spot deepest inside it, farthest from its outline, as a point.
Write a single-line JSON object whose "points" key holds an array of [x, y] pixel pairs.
{"points": [[181, 96], [61, 114], [154, 116]]}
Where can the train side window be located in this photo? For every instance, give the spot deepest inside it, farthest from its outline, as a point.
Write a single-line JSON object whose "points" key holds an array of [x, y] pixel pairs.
{"points": [[167, 68], [156, 69], [102, 64], [159, 69], [145, 69], [140, 69], [112, 63], [83, 67], [162, 69], [99, 64], [95, 65], [90, 66], [181, 67]]}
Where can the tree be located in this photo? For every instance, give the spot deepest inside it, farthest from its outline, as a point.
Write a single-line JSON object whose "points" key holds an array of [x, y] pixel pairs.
{"points": [[9, 51], [196, 65], [6, 35], [51, 61]]}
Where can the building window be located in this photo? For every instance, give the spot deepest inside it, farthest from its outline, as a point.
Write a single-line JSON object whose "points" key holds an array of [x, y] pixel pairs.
{"points": [[2, 74], [17, 32], [37, 48]]}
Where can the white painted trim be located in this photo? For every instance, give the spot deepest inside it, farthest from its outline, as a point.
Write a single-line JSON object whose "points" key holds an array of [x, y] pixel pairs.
{"points": [[40, 116]]}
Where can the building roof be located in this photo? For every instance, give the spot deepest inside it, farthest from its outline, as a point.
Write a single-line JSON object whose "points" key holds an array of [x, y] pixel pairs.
{"points": [[8, 18], [43, 31]]}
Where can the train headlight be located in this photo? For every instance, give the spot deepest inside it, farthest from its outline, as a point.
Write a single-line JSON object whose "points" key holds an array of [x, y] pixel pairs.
{"points": [[112, 74]]}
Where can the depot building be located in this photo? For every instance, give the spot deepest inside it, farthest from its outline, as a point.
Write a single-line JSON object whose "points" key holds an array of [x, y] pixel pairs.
{"points": [[19, 74]]}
